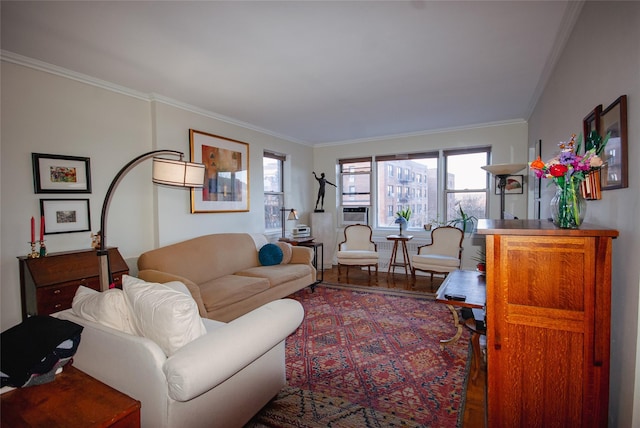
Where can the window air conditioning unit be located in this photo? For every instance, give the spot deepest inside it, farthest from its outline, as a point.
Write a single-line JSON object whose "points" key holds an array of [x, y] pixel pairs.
{"points": [[354, 215]]}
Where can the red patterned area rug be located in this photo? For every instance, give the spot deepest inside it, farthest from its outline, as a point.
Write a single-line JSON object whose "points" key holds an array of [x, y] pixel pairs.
{"points": [[370, 357]]}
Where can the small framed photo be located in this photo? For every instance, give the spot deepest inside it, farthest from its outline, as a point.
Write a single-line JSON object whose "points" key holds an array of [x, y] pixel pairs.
{"points": [[226, 182], [61, 174], [65, 215], [613, 121], [513, 187]]}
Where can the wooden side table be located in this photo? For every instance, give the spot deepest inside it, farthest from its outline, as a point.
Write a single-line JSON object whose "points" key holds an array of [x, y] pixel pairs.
{"points": [[406, 261], [319, 267], [73, 399]]}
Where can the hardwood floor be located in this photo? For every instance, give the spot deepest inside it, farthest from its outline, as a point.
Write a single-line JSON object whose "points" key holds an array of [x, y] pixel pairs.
{"points": [[474, 412]]}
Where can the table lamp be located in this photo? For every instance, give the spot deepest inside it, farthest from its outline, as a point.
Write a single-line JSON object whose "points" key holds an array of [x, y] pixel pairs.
{"points": [[502, 171], [293, 215], [168, 172]]}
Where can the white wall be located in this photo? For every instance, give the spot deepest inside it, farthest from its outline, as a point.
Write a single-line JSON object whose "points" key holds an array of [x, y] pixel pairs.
{"points": [[601, 61], [508, 143], [48, 113]]}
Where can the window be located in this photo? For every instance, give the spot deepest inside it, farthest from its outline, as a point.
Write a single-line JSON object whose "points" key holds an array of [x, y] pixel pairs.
{"points": [[272, 169], [411, 190], [355, 180], [466, 183], [432, 184]]}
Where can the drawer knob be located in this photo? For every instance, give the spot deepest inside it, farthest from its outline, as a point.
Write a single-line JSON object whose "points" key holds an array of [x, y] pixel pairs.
{"points": [[57, 305], [57, 291]]}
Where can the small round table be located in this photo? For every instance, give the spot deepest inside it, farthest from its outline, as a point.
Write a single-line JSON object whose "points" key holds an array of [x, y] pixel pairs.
{"points": [[402, 239]]}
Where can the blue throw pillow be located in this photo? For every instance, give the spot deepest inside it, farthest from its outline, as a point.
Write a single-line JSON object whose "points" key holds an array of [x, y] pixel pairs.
{"points": [[270, 254]]}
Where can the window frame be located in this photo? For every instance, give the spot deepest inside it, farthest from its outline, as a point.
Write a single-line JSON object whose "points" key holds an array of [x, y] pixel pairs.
{"points": [[281, 158]]}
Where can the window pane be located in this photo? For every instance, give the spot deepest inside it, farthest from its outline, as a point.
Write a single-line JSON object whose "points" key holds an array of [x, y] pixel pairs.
{"points": [[272, 205], [464, 172], [356, 183], [272, 170], [416, 186], [472, 203]]}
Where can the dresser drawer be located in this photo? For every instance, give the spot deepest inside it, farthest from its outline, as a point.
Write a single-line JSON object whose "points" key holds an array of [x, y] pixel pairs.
{"points": [[60, 296]]}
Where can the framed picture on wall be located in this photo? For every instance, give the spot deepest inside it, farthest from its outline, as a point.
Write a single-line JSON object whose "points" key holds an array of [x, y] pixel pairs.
{"points": [[591, 122], [61, 174], [513, 186], [65, 215], [613, 121], [226, 161]]}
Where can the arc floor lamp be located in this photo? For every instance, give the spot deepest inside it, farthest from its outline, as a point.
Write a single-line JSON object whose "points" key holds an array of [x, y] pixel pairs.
{"points": [[170, 172], [502, 171]]}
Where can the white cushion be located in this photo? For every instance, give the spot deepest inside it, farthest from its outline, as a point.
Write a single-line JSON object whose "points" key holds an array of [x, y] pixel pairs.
{"points": [[162, 313], [436, 259], [357, 254], [287, 252], [107, 308]]}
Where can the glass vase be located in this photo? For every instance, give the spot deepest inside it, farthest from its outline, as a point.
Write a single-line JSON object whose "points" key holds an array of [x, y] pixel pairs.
{"points": [[568, 207]]}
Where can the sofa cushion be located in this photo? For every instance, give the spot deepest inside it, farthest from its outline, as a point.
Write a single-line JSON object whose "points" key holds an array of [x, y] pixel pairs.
{"points": [[229, 289], [163, 314], [108, 308], [278, 274], [287, 251], [269, 255]]}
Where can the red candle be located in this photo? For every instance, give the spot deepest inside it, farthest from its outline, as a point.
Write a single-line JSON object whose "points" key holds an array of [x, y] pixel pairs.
{"points": [[42, 228], [33, 229]]}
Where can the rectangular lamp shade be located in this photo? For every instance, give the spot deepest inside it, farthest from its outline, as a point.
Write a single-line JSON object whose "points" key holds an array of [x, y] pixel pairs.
{"points": [[177, 173]]}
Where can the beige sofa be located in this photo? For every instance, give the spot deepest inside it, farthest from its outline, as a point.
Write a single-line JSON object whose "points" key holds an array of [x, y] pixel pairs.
{"points": [[224, 274]]}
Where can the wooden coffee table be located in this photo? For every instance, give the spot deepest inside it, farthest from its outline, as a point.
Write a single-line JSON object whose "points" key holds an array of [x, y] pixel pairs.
{"points": [[463, 283]]}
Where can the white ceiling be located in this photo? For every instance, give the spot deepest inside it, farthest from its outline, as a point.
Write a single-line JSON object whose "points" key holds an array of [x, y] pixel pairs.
{"points": [[310, 71]]}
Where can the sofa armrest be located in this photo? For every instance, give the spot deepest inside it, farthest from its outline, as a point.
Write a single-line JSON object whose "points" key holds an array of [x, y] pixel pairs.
{"points": [[152, 275], [213, 358], [301, 255]]}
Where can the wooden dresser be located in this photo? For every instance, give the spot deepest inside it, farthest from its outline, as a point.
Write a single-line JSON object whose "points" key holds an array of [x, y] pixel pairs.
{"points": [[548, 323], [48, 284]]}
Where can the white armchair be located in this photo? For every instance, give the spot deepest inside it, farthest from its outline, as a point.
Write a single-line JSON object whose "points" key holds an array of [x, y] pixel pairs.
{"points": [[443, 255], [220, 379], [357, 249]]}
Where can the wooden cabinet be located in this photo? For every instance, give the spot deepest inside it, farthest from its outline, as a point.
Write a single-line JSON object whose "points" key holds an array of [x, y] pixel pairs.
{"points": [[548, 323], [48, 284]]}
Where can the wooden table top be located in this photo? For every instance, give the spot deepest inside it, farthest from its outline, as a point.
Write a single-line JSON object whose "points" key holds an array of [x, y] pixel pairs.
{"points": [[400, 237], [73, 399], [469, 283]]}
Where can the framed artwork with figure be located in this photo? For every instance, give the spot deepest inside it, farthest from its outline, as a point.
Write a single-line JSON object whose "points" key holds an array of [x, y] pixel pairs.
{"points": [[226, 161]]}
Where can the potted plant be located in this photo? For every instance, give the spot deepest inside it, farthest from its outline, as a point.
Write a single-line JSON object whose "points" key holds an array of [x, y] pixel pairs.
{"points": [[464, 221], [402, 218], [481, 260]]}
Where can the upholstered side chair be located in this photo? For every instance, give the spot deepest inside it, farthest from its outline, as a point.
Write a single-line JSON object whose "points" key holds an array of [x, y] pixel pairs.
{"points": [[357, 249], [443, 255]]}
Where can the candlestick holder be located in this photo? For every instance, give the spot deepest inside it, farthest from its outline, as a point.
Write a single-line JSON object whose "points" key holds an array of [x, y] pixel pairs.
{"points": [[33, 254], [43, 249]]}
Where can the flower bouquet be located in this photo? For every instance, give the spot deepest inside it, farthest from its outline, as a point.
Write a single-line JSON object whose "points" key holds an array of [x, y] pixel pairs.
{"points": [[567, 170]]}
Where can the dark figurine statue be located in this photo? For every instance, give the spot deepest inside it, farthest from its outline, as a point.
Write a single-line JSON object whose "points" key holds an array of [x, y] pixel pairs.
{"points": [[323, 182]]}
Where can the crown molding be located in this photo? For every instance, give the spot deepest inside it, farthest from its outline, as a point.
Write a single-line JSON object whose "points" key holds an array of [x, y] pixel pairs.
{"points": [[35, 64], [422, 133]]}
